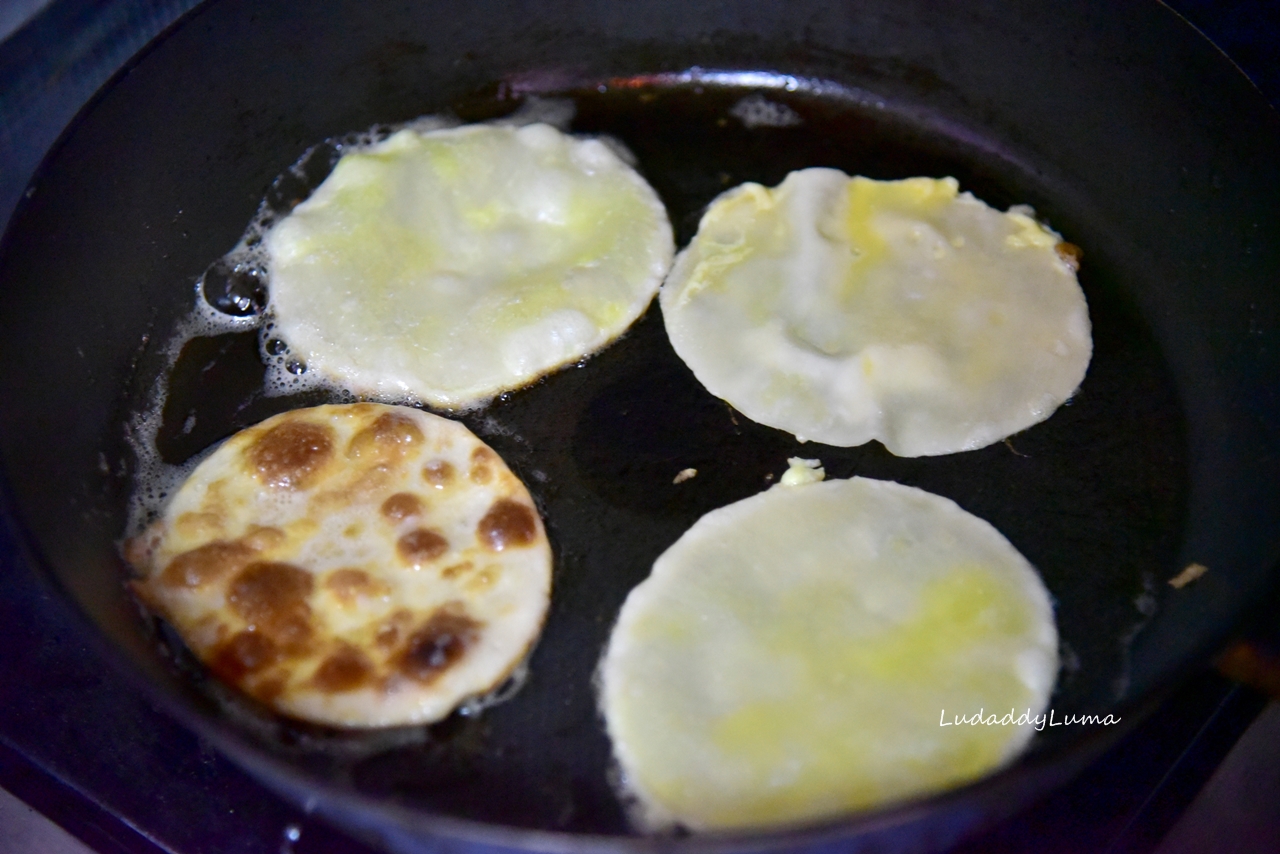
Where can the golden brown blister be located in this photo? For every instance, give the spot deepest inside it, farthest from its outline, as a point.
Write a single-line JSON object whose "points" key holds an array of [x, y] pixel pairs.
{"points": [[360, 565]]}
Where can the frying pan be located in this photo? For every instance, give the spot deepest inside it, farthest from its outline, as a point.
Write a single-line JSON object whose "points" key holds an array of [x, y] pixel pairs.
{"points": [[1126, 131]]}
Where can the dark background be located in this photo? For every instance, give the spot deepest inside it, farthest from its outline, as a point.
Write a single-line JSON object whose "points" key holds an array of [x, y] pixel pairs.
{"points": [[69, 740]]}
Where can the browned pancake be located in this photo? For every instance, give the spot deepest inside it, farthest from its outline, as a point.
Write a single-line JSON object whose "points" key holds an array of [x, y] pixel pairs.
{"points": [[360, 565]]}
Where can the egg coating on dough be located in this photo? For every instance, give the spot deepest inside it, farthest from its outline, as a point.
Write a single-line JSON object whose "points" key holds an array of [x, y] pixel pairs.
{"points": [[846, 309], [360, 565], [789, 657], [452, 265]]}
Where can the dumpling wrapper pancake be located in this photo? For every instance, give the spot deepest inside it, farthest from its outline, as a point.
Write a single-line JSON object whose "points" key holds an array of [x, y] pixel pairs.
{"points": [[789, 657], [452, 265], [845, 309], [361, 565]]}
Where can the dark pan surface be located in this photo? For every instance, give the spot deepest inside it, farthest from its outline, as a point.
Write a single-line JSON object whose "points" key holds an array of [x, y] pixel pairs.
{"points": [[1098, 505], [1167, 454]]}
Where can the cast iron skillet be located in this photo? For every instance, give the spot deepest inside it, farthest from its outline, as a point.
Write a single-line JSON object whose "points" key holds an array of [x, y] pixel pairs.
{"points": [[1126, 131]]}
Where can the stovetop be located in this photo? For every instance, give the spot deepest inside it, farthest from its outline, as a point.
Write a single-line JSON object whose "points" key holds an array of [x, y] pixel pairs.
{"points": [[86, 749]]}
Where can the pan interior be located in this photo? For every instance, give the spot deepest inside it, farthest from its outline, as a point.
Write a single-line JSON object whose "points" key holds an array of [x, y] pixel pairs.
{"points": [[1095, 497]]}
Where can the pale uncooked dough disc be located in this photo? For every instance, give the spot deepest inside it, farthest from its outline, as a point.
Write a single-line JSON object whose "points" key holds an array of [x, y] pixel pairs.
{"points": [[361, 565], [452, 265], [791, 657], [844, 309]]}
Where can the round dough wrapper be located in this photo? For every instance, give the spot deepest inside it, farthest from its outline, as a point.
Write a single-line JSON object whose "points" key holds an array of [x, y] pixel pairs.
{"points": [[845, 309], [791, 656], [452, 265], [360, 565]]}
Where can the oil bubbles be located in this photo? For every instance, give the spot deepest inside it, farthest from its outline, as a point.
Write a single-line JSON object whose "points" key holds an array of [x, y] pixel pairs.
{"points": [[234, 288]]}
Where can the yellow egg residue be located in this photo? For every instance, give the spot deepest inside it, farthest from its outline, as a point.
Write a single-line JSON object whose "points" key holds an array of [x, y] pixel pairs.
{"points": [[867, 201], [789, 657], [844, 309], [450, 265]]}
